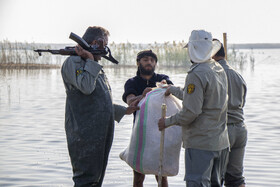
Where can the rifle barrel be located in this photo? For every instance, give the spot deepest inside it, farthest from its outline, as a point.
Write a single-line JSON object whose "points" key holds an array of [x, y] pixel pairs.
{"points": [[70, 51], [57, 51], [99, 49]]}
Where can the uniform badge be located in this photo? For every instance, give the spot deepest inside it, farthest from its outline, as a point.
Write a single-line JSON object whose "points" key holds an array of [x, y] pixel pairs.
{"points": [[78, 72], [190, 88]]}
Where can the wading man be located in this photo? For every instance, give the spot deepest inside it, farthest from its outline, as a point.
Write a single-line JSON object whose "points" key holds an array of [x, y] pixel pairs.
{"points": [[237, 130], [137, 87], [89, 112], [203, 116]]}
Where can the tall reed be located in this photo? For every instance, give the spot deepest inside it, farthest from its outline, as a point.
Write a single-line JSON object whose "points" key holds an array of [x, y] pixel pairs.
{"points": [[21, 55], [170, 54]]}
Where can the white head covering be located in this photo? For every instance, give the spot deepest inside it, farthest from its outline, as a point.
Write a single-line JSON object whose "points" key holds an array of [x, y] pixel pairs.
{"points": [[201, 48]]}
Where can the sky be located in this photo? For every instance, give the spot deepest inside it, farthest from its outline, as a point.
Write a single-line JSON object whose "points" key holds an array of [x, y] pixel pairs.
{"points": [[140, 21]]}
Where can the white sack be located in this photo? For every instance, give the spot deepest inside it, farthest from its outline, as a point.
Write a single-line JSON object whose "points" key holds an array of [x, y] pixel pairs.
{"points": [[143, 152]]}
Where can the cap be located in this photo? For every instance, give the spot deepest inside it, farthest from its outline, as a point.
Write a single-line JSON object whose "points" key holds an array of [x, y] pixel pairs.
{"points": [[150, 53]]}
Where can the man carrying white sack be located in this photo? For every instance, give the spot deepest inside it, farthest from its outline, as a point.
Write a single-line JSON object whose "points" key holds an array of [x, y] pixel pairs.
{"points": [[203, 116], [142, 153]]}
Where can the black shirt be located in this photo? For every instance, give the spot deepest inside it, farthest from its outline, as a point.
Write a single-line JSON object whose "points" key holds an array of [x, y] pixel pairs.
{"points": [[137, 84]]}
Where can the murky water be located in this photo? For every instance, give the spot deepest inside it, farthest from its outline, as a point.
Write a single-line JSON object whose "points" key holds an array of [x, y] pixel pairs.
{"points": [[33, 148]]}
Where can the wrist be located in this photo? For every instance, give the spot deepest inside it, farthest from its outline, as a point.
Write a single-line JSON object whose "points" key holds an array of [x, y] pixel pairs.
{"points": [[90, 57]]}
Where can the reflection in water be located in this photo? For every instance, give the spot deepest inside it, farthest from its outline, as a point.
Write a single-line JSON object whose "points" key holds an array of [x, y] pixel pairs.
{"points": [[32, 137]]}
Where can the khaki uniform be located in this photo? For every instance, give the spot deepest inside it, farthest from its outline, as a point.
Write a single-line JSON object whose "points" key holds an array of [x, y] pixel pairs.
{"points": [[203, 116], [237, 130], [203, 120]]}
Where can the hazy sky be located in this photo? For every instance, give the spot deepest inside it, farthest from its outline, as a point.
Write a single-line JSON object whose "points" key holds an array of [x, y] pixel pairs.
{"points": [[140, 21]]}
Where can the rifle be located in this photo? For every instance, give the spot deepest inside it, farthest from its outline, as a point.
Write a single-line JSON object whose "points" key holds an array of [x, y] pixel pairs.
{"points": [[98, 49]]}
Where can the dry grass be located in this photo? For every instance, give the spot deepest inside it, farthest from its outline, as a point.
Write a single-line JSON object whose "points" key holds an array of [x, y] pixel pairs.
{"points": [[18, 55], [169, 54]]}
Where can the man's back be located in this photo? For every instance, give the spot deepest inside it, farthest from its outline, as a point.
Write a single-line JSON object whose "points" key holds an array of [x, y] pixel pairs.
{"points": [[236, 128], [236, 92], [209, 102]]}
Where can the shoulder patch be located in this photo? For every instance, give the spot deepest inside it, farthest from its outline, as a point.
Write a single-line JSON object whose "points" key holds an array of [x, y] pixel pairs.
{"points": [[190, 88], [79, 72]]}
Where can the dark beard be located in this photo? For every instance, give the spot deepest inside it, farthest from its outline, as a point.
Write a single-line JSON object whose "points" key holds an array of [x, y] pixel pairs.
{"points": [[143, 71]]}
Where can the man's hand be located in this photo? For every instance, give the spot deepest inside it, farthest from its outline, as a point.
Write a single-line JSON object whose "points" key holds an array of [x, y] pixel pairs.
{"points": [[161, 124], [135, 102], [148, 89], [83, 53], [167, 92], [163, 81], [131, 109]]}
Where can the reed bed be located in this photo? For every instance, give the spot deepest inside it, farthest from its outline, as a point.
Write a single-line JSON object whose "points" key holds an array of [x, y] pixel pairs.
{"points": [[169, 54], [18, 55], [240, 60]]}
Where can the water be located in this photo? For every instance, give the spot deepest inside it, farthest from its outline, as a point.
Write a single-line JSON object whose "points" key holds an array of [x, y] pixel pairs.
{"points": [[33, 149]]}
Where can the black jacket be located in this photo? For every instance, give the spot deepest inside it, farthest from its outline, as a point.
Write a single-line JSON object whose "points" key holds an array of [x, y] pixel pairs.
{"points": [[137, 84]]}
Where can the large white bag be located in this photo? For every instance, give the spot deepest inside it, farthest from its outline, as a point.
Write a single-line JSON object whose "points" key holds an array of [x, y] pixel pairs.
{"points": [[143, 152]]}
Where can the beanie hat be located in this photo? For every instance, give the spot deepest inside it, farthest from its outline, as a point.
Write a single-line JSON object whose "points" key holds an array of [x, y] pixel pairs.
{"points": [[150, 53]]}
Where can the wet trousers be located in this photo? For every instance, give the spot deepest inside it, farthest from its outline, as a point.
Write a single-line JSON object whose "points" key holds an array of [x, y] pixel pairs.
{"points": [[205, 168], [238, 139], [89, 156]]}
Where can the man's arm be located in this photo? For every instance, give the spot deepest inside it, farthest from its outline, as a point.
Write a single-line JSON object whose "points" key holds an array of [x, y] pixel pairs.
{"points": [[167, 80], [192, 104], [133, 100], [82, 75], [120, 111], [176, 91]]}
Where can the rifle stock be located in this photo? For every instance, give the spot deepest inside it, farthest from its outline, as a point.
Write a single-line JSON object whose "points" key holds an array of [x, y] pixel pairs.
{"points": [[94, 50]]}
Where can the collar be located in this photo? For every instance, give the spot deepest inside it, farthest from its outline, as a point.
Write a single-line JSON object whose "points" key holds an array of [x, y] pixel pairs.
{"points": [[223, 61], [224, 64], [194, 65]]}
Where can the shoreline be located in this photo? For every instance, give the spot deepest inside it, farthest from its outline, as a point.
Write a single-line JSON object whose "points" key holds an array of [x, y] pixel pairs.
{"points": [[28, 66], [55, 66]]}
